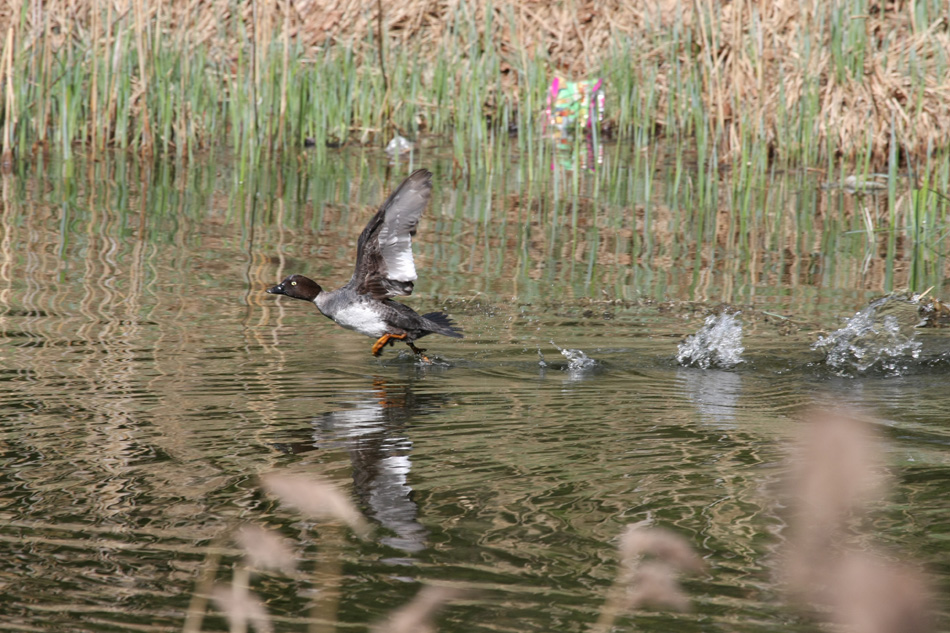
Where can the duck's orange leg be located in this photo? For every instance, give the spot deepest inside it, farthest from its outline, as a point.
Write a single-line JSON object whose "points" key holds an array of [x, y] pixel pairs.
{"points": [[421, 353], [386, 338]]}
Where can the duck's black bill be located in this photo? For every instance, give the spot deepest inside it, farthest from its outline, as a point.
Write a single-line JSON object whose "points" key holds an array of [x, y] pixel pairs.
{"points": [[276, 290]]}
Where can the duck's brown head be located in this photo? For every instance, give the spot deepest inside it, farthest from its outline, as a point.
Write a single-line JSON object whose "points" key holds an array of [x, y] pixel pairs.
{"points": [[297, 287]]}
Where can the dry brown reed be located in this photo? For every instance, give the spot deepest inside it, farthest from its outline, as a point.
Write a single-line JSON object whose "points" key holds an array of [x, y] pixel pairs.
{"points": [[651, 559], [321, 501], [416, 617], [316, 499], [835, 476], [770, 65], [266, 550], [875, 595], [638, 541], [763, 74], [836, 470], [242, 608], [9, 101]]}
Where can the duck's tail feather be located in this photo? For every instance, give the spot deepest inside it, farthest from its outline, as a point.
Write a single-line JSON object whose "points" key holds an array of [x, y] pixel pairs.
{"points": [[446, 325]]}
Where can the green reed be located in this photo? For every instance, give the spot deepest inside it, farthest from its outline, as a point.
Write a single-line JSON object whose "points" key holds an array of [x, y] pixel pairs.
{"points": [[675, 160], [138, 83]]}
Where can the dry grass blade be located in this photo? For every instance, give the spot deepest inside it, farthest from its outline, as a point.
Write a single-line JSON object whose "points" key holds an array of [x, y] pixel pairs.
{"points": [[872, 595], [9, 102], [416, 617], [316, 499], [835, 472], [666, 546], [655, 585], [642, 583], [835, 475], [265, 549], [242, 608]]}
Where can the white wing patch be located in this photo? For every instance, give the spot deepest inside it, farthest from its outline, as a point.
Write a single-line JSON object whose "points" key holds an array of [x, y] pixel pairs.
{"points": [[395, 245]]}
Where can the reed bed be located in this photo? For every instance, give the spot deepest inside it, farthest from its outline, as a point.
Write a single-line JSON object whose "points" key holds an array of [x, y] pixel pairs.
{"points": [[806, 81]]}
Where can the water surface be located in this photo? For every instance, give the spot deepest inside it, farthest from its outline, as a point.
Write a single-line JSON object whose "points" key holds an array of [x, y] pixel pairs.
{"points": [[148, 381]]}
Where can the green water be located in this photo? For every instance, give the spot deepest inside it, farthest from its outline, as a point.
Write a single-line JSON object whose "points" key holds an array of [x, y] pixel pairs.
{"points": [[148, 381]]}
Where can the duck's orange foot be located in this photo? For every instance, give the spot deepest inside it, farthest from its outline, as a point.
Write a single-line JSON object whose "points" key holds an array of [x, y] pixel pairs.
{"points": [[421, 353], [386, 338]]}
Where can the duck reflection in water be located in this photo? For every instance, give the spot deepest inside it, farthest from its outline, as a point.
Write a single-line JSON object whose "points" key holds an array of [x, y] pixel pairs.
{"points": [[371, 428]]}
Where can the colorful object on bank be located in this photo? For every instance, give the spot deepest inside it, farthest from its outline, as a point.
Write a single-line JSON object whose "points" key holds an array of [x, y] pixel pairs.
{"points": [[573, 106], [572, 103]]}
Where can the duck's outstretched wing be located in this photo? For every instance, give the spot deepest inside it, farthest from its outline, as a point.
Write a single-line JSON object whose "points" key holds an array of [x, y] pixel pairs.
{"points": [[384, 265]]}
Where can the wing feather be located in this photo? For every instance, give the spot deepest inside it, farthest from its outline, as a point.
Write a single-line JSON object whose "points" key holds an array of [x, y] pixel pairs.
{"points": [[384, 263]]}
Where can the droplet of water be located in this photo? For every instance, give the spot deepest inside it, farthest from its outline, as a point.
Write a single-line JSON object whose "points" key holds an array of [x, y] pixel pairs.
{"points": [[541, 362], [717, 344]]}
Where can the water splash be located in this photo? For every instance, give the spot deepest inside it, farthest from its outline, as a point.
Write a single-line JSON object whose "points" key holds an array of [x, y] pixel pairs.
{"points": [[577, 360], [717, 344], [543, 364], [881, 337]]}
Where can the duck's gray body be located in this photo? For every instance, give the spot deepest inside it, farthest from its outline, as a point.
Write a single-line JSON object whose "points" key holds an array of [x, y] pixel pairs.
{"points": [[384, 269], [375, 318]]}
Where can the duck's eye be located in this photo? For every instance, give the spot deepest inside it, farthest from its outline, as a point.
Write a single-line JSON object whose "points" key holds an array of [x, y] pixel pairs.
{"points": [[293, 283]]}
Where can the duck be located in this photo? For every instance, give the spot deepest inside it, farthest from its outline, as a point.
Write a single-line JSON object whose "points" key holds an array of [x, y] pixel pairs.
{"points": [[384, 269]]}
